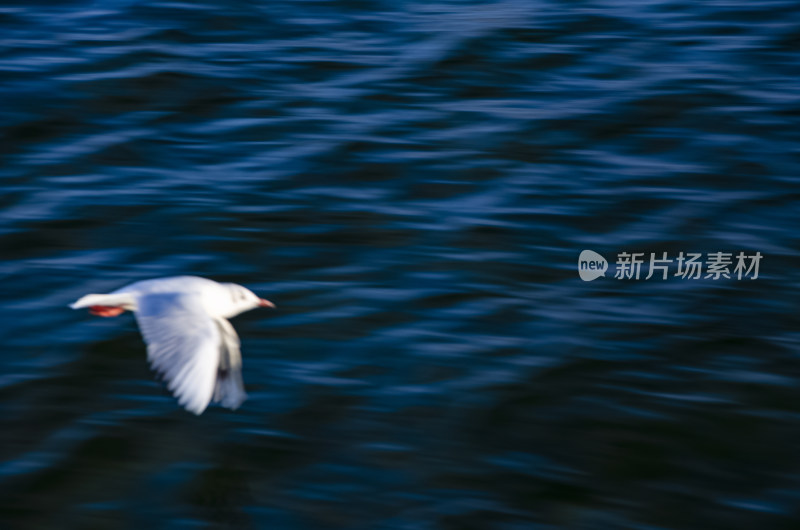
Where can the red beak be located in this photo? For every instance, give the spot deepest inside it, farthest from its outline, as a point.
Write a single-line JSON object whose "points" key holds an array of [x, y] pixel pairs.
{"points": [[265, 303]]}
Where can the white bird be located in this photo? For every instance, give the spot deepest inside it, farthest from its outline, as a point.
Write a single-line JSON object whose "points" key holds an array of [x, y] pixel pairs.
{"points": [[190, 342]]}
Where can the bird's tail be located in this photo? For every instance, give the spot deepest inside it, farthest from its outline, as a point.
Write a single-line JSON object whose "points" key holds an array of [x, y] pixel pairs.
{"points": [[113, 300]]}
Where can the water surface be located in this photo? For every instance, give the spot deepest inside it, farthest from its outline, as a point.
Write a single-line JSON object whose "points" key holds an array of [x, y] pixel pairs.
{"points": [[411, 183]]}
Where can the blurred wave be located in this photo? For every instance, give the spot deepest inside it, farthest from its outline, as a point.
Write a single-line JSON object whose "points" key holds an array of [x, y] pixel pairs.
{"points": [[411, 183]]}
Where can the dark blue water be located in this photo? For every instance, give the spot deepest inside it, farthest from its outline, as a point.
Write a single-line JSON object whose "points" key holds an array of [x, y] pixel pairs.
{"points": [[411, 183]]}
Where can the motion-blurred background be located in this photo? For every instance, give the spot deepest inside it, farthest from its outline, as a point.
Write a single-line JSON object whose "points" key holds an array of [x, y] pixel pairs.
{"points": [[411, 182]]}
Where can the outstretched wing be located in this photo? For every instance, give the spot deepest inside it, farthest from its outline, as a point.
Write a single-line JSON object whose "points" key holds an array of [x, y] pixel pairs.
{"points": [[183, 345], [229, 389]]}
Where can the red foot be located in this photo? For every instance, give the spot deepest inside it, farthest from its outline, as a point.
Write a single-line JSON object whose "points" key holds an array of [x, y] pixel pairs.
{"points": [[105, 311]]}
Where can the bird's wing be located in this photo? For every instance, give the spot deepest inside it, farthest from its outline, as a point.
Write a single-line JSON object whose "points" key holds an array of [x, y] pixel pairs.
{"points": [[183, 345], [229, 388]]}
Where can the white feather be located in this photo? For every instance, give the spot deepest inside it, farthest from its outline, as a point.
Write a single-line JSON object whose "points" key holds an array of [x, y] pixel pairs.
{"points": [[189, 341], [113, 299]]}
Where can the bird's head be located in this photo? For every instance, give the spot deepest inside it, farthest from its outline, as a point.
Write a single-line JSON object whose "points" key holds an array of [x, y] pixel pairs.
{"points": [[243, 299]]}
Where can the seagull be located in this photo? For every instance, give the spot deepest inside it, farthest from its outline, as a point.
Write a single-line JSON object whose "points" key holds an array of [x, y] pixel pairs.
{"points": [[190, 342]]}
